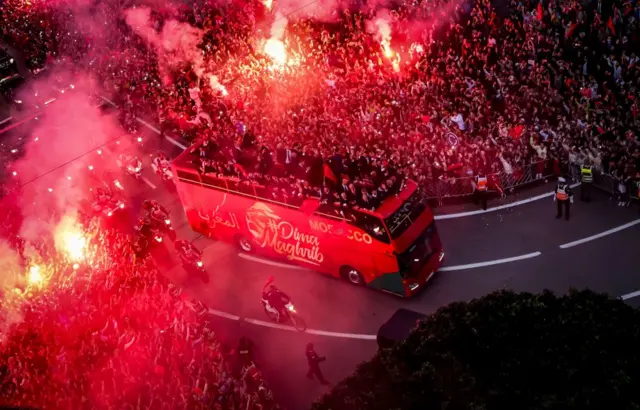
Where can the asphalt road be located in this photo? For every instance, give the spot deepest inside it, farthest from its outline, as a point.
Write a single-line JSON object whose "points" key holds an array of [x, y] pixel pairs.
{"points": [[344, 319], [351, 316]]}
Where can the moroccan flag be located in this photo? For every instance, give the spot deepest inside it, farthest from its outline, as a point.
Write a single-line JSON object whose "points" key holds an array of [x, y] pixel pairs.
{"points": [[516, 132], [328, 173], [611, 26], [540, 11]]}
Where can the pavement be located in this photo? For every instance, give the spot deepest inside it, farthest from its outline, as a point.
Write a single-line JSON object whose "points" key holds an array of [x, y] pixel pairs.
{"points": [[519, 246]]}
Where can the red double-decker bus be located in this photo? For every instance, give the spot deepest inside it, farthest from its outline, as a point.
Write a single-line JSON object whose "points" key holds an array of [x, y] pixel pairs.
{"points": [[395, 249]]}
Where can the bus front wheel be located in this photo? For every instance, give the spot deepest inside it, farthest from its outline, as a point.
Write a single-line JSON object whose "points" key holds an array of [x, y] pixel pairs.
{"points": [[244, 244], [352, 275]]}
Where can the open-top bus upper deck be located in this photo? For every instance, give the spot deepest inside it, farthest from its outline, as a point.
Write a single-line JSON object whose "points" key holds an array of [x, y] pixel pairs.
{"points": [[391, 221]]}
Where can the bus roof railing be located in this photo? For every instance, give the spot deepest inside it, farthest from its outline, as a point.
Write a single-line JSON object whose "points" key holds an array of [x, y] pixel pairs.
{"points": [[185, 171]]}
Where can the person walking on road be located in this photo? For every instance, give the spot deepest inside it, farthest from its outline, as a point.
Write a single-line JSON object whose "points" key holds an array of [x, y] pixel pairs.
{"points": [[586, 173], [314, 365], [563, 196]]}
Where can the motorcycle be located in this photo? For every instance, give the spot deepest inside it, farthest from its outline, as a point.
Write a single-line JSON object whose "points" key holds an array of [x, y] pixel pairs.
{"points": [[132, 165], [163, 223], [162, 168], [147, 231], [288, 313], [110, 207], [192, 263]]}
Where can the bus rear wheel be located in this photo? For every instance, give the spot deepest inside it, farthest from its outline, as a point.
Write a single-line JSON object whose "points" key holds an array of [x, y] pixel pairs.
{"points": [[352, 275], [244, 244]]}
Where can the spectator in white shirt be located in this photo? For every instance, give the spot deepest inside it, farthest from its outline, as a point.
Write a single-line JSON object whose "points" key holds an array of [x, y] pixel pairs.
{"points": [[459, 120]]}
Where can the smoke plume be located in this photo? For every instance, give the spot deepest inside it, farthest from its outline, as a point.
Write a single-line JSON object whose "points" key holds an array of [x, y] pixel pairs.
{"points": [[176, 44]]}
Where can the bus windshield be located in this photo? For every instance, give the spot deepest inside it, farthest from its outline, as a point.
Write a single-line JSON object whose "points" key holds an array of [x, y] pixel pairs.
{"points": [[414, 258], [401, 219]]}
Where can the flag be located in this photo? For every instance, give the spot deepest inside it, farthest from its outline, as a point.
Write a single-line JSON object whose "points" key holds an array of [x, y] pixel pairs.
{"points": [[571, 29], [540, 11], [328, 173], [516, 132], [611, 26]]}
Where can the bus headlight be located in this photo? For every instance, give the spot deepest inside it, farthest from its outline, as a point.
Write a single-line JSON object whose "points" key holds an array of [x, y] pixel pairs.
{"points": [[414, 286]]}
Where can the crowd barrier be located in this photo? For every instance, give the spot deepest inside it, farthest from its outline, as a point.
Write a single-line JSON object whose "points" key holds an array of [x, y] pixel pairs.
{"points": [[443, 191], [609, 184]]}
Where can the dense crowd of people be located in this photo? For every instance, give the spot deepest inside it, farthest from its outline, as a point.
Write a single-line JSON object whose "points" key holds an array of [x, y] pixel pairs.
{"points": [[462, 89], [112, 333], [451, 90]]}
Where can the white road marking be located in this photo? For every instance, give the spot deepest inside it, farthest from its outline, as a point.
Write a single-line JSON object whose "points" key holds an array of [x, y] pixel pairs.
{"points": [[146, 181], [310, 331], [268, 262], [600, 235], [490, 263], [269, 324], [151, 127], [630, 295], [342, 335], [175, 142], [498, 208], [108, 101], [157, 131], [6, 120], [223, 314]]}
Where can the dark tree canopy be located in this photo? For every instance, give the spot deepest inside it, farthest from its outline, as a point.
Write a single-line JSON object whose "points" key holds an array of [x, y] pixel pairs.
{"points": [[512, 351]]}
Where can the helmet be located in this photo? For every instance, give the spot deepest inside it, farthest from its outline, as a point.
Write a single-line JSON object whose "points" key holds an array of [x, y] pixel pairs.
{"points": [[147, 205]]}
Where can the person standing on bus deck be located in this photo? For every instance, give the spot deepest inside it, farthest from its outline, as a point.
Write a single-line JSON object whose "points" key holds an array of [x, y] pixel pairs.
{"points": [[563, 196], [586, 173], [480, 191], [314, 365]]}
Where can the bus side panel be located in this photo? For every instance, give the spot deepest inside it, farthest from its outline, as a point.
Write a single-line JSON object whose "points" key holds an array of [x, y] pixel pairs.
{"points": [[215, 214]]}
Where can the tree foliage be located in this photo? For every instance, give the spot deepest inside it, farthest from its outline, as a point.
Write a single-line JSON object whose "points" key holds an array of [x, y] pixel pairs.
{"points": [[506, 351]]}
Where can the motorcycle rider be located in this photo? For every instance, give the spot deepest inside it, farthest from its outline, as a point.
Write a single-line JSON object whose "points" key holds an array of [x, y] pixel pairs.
{"points": [[275, 298], [144, 227], [160, 163], [102, 197], [187, 251], [154, 209], [130, 163]]}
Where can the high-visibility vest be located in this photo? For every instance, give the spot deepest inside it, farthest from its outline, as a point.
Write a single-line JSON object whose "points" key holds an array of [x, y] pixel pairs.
{"points": [[482, 184], [587, 174], [561, 192]]}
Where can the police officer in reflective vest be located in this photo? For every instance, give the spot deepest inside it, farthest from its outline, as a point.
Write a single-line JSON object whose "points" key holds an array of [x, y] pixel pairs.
{"points": [[563, 197], [481, 190], [586, 173]]}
